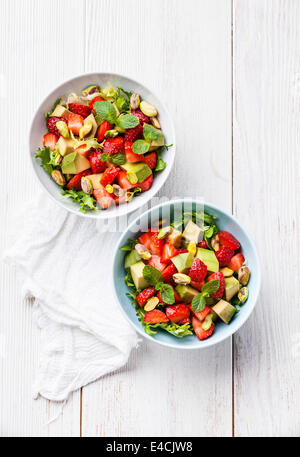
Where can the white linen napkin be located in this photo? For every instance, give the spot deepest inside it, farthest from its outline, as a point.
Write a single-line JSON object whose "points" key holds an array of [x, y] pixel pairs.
{"points": [[65, 264]]}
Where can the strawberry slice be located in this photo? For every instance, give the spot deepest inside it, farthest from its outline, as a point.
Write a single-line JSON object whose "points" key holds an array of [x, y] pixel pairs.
{"points": [[75, 122], [141, 116], [201, 315], [103, 197], [145, 239], [145, 185], [97, 165], [168, 272], [75, 182], [227, 239], [200, 332], [109, 176], [131, 157], [155, 317], [236, 262], [187, 320], [83, 110], [123, 181], [150, 160], [114, 145], [156, 245], [134, 134], [102, 129], [168, 252], [144, 296], [177, 312], [50, 140], [197, 285], [156, 262]]}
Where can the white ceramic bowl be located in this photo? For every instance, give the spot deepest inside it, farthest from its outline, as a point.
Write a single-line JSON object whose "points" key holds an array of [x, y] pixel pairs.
{"points": [[76, 84]]}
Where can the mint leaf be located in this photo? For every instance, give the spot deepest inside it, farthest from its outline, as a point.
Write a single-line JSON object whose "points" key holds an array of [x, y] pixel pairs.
{"points": [[140, 147], [122, 105], [152, 275], [127, 121], [160, 164], [150, 133], [211, 287], [105, 110], [104, 156], [117, 159], [198, 303], [166, 292], [45, 156]]}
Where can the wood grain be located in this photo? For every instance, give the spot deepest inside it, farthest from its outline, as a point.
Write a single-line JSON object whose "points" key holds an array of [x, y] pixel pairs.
{"points": [[181, 53], [266, 190]]}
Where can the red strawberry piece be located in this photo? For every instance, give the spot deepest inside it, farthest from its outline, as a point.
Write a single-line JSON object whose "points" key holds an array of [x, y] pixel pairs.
{"points": [[156, 245], [177, 312], [144, 296], [203, 244], [109, 175], [75, 182], [50, 140], [94, 100], [224, 255], [201, 315], [141, 116], [236, 262], [131, 157], [134, 134], [83, 110], [150, 160], [114, 145], [198, 271], [197, 285], [123, 181], [145, 239], [75, 122], [156, 262], [51, 125], [155, 317], [220, 277], [168, 272], [84, 151], [145, 185], [102, 129], [200, 332], [168, 252], [97, 165], [187, 320], [226, 239], [181, 251], [103, 197]]}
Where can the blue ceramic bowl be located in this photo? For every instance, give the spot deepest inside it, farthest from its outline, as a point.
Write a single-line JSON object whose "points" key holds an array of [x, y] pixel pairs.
{"points": [[222, 331]]}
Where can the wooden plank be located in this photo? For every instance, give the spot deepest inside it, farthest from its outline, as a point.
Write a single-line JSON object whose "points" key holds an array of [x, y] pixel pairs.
{"points": [[266, 187], [185, 55], [37, 53]]}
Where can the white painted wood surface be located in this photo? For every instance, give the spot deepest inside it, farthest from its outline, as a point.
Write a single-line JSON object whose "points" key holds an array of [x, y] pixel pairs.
{"points": [[204, 57]]}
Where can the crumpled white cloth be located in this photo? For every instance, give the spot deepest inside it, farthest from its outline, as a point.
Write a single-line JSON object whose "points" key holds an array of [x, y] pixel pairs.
{"points": [[65, 263]]}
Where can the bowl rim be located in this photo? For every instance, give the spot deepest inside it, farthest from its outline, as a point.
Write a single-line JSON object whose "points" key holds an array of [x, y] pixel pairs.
{"points": [[133, 205], [209, 342]]}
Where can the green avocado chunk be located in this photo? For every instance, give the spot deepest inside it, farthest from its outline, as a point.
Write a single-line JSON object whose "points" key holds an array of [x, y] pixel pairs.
{"points": [[183, 261], [131, 258], [208, 257], [186, 293], [224, 310], [232, 286], [192, 232], [141, 170], [74, 163], [136, 271]]}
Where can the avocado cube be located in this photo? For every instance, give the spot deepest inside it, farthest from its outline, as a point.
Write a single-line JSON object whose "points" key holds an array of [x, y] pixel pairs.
{"points": [[95, 180], [186, 293], [232, 286], [183, 261], [209, 258], [74, 163], [95, 125], [224, 310], [136, 271], [131, 258], [192, 232], [60, 111], [65, 146], [175, 238], [141, 170], [160, 141]]}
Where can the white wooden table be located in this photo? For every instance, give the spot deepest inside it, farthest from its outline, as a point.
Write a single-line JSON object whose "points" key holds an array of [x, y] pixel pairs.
{"points": [[229, 71]]}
